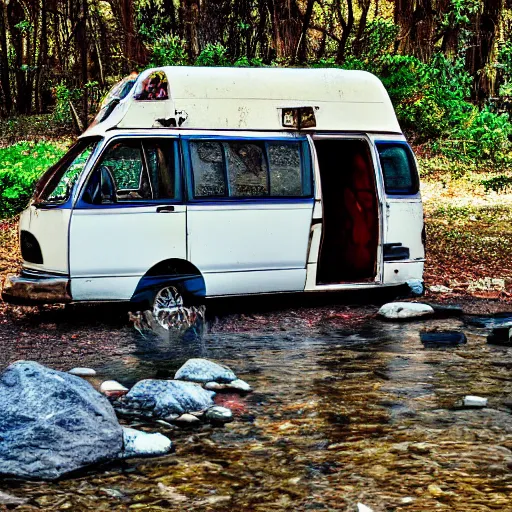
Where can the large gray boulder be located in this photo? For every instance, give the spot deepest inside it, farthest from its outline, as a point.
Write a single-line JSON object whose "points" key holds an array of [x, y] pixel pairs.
{"points": [[162, 398], [52, 423], [203, 370]]}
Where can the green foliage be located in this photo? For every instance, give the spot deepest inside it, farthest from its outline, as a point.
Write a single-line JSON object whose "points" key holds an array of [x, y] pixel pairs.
{"points": [[63, 96], [166, 50], [244, 62], [212, 55], [21, 165], [500, 183], [378, 38]]}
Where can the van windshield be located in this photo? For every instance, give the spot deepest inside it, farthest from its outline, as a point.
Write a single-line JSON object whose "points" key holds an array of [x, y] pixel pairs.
{"points": [[56, 184]]}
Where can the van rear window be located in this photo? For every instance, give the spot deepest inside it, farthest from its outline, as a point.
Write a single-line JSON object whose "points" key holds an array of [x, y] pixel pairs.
{"points": [[398, 167], [249, 168]]}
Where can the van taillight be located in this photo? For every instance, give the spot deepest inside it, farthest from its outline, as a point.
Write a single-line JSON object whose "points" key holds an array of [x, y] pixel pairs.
{"points": [[30, 249]]}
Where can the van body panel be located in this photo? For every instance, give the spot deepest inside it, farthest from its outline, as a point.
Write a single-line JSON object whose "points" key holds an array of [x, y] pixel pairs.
{"points": [[246, 283], [238, 237], [50, 228], [125, 241], [103, 288]]}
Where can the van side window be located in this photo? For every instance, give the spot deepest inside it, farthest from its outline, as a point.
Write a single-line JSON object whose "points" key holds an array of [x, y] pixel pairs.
{"points": [[247, 169], [285, 169], [398, 167], [208, 168], [133, 170]]}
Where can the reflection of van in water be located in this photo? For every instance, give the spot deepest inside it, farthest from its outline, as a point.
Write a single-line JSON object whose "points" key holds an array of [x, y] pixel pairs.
{"points": [[218, 181]]}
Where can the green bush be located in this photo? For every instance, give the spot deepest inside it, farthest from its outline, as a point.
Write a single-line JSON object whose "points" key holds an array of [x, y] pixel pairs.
{"points": [[212, 55], [21, 165]]}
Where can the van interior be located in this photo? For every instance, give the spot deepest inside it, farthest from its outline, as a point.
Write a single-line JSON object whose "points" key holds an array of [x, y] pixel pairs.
{"points": [[350, 234]]}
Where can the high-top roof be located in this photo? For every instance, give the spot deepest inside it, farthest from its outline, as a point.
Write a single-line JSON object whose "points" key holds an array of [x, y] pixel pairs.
{"points": [[253, 98]]}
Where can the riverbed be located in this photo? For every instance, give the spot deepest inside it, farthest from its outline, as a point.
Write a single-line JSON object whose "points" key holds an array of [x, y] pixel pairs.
{"points": [[346, 409]]}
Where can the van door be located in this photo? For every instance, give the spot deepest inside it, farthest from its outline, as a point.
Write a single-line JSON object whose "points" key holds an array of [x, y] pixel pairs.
{"points": [[349, 252], [403, 244], [129, 217], [249, 212], [44, 225]]}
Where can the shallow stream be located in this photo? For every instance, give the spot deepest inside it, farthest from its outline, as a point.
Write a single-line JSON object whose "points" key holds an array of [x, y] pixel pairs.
{"points": [[347, 409]]}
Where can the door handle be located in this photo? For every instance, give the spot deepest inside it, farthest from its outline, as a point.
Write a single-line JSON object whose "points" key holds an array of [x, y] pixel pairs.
{"points": [[164, 209]]}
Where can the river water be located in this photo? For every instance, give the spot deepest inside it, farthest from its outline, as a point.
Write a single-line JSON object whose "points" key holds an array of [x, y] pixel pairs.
{"points": [[347, 409]]}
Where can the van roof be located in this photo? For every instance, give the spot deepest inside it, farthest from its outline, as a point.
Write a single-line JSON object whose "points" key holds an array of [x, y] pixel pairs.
{"points": [[254, 98]]}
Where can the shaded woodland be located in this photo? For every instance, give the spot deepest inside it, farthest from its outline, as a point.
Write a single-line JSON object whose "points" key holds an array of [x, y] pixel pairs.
{"points": [[85, 45]]}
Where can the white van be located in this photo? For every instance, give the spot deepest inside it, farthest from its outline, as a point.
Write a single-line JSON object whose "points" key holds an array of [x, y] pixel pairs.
{"points": [[203, 182]]}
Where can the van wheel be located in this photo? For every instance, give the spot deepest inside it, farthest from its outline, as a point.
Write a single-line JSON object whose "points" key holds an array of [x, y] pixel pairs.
{"points": [[169, 308]]}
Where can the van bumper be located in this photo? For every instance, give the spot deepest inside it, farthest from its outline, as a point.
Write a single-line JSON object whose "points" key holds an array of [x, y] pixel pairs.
{"points": [[34, 287]]}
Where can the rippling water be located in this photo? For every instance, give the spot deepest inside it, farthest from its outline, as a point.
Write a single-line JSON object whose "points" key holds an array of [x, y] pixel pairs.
{"points": [[343, 412]]}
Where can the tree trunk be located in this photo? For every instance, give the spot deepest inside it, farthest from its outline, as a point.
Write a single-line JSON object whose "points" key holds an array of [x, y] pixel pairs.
{"points": [[347, 26], [481, 49], [303, 50], [4, 61]]}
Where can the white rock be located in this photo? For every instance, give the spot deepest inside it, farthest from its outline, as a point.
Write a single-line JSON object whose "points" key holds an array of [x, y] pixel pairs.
{"points": [[214, 386], [113, 388], [218, 414], [439, 288], [407, 500], [138, 443], [240, 385], [363, 508], [82, 372], [475, 401], [405, 310], [187, 418]]}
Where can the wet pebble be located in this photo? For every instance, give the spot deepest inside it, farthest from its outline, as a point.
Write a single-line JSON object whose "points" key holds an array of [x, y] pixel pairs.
{"points": [[218, 414], [236, 385], [113, 388], [204, 370], [474, 401], [82, 372], [136, 443], [188, 419]]}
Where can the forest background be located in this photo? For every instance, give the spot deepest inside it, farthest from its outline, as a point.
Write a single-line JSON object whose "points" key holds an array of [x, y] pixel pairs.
{"points": [[447, 66]]}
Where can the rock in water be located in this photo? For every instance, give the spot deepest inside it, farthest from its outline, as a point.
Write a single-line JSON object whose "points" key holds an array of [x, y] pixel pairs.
{"points": [[53, 423], [474, 401], [83, 372], [442, 338], [218, 414], [112, 388], [203, 370], [138, 443], [165, 397], [405, 310]]}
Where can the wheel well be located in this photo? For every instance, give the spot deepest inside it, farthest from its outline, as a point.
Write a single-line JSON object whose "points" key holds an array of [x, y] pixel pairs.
{"points": [[173, 266], [169, 272]]}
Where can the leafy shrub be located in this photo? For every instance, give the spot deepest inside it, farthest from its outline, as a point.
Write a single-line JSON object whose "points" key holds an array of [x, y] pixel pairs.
{"points": [[21, 165], [212, 55], [245, 62], [168, 50]]}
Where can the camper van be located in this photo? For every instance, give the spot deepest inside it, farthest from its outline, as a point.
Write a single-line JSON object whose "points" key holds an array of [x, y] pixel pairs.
{"points": [[206, 182]]}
